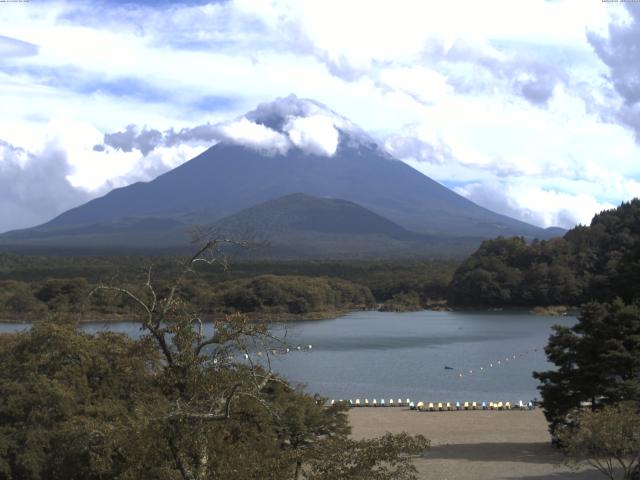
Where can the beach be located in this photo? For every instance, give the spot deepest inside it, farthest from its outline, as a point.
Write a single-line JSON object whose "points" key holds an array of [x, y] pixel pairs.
{"points": [[474, 445]]}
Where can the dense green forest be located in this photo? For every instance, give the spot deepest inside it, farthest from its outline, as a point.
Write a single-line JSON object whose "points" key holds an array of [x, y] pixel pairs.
{"points": [[172, 405], [596, 262], [31, 286]]}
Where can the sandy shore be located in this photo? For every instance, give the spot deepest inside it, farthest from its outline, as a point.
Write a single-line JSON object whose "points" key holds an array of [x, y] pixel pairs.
{"points": [[474, 445]]}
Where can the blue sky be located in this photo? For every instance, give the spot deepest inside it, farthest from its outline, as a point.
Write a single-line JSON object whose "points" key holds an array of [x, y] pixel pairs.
{"points": [[530, 108]]}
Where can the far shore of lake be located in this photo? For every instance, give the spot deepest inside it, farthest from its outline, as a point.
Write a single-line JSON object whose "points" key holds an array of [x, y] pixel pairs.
{"points": [[92, 317], [124, 318]]}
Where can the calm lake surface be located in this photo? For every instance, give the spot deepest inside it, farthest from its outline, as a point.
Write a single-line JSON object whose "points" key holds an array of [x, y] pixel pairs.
{"points": [[403, 355]]}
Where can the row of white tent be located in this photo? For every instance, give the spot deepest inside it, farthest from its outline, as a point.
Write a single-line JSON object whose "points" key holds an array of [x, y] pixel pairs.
{"points": [[439, 406]]}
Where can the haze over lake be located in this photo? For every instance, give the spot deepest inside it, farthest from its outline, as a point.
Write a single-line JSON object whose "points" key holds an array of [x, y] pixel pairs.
{"points": [[385, 354]]}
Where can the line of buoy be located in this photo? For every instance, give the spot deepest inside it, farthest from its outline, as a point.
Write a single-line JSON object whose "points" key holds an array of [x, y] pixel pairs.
{"points": [[465, 371], [284, 351]]}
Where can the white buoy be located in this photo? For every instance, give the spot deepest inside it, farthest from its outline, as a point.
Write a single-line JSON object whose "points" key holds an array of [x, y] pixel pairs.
{"points": [[309, 347]]}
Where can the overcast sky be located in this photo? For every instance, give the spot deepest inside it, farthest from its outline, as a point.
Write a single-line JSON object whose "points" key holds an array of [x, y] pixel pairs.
{"points": [[529, 108]]}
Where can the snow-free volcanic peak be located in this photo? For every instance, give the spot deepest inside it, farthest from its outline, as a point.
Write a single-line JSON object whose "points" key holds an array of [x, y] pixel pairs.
{"points": [[289, 146]]}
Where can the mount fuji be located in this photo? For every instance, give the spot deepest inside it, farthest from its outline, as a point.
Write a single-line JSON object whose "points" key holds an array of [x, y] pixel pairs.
{"points": [[286, 147]]}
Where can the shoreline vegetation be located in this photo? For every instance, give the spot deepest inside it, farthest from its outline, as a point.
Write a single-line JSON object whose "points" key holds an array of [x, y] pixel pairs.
{"points": [[435, 306], [35, 287], [596, 262]]}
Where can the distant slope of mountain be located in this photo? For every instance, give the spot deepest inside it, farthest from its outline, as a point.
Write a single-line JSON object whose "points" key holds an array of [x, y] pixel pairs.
{"points": [[298, 212], [289, 227], [299, 225], [229, 178]]}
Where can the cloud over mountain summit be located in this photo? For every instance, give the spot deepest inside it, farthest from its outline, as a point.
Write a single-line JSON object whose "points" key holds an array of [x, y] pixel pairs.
{"points": [[273, 127], [542, 98]]}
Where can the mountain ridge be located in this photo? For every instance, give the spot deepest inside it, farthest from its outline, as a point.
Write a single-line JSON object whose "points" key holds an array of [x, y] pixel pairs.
{"points": [[307, 149]]}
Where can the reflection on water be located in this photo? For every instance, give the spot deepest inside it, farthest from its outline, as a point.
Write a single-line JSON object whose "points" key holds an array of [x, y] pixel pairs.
{"points": [[385, 354]]}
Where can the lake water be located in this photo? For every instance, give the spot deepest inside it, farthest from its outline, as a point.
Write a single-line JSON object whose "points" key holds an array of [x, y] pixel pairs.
{"points": [[403, 355]]}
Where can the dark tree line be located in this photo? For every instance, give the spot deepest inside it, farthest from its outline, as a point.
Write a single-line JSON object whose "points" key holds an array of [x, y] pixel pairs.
{"points": [[596, 262], [32, 286], [266, 294]]}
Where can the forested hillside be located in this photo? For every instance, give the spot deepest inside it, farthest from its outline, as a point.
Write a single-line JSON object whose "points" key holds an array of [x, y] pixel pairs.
{"points": [[31, 286], [596, 262]]}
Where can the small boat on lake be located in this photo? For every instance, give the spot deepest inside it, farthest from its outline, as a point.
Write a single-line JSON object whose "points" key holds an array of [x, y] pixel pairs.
{"points": [[447, 367]]}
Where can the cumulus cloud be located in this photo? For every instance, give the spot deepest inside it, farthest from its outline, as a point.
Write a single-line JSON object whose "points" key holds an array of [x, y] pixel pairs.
{"points": [[130, 138], [538, 86], [620, 51], [419, 143], [254, 135], [316, 134], [273, 127], [34, 187], [535, 205], [12, 47], [491, 97]]}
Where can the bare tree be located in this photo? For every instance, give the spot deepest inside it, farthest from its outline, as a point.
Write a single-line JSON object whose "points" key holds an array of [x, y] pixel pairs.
{"points": [[201, 375], [220, 402]]}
